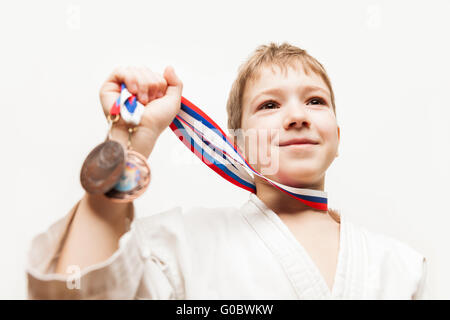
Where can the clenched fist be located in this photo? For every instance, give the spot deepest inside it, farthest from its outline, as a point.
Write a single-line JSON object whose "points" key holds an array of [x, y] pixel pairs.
{"points": [[160, 95]]}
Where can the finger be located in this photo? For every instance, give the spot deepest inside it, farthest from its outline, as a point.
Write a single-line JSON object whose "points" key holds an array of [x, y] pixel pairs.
{"points": [[146, 75], [131, 80], [174, 84], [152, 81], [162, 85], [124, 75], [114, 80], [144, 83]]}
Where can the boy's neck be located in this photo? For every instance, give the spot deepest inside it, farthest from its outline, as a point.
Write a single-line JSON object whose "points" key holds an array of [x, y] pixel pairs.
{"points": [[283, 204]]}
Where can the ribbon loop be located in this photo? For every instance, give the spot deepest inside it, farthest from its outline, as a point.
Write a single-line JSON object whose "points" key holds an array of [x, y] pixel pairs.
{"points": [[209, 143], [128, 106], [200, 134]]}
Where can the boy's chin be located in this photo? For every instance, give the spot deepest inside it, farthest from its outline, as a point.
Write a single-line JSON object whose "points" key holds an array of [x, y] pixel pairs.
{"points": [[300, 178]]}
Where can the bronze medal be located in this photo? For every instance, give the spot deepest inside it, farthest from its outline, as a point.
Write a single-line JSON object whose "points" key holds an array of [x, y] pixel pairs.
{"points": [[134, 180], [103, 167], [120, 175]]}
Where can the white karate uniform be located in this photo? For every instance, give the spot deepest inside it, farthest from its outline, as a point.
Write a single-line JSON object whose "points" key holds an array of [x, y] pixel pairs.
{"points": [[228, 253]]}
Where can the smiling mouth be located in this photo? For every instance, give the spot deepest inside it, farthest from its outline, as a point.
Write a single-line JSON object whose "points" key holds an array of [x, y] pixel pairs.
{"points": [[299, 145], [303, 141]]}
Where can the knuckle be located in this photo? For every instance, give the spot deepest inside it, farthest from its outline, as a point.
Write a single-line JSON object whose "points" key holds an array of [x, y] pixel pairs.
{"points": [[117, 70], [162, 80], [130, 75], [142, 81], [148, 81], [153, 86], [162, 86]]}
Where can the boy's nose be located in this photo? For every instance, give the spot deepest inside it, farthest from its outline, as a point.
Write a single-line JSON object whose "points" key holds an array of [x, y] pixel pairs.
{"points": [[296, 116]]}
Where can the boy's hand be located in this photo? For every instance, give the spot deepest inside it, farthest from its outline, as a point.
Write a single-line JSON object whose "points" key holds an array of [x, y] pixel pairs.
{"points": [[160, 95]]}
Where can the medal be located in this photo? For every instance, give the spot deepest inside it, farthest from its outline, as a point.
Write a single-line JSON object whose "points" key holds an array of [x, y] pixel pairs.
{"points": [[120, 175], [103, 165], [135, 177]]}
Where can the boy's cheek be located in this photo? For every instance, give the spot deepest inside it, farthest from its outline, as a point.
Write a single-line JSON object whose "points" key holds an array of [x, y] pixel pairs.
{"points": [[264, 157]]}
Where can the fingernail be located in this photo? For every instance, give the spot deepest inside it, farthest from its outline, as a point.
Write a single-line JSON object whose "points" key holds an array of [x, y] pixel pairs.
{"points": [[144, 98]]}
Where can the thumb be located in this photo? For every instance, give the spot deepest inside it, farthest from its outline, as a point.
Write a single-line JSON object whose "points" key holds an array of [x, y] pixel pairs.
{"points": [[175, 86]]}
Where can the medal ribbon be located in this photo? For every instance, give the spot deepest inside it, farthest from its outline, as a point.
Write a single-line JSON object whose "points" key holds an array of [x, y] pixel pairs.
{"points": [[200, 134]]}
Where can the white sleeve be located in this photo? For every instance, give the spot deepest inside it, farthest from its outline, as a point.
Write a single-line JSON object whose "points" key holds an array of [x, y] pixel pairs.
{"points": [[422, 292], [131, 272]]}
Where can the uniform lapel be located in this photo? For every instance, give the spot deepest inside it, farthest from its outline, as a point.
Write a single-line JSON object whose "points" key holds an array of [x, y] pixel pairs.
{"points": [[304, 276]]}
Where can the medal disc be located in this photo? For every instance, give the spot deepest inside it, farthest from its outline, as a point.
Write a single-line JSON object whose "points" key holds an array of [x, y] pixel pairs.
{"points": [[103, 167], [134, 180]]}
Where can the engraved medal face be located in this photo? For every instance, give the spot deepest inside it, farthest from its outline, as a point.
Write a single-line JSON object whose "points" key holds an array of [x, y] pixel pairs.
{"points": [[103, 167], [134, 180]]}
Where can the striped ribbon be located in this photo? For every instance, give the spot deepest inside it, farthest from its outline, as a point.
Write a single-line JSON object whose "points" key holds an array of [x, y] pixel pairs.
{"points": [[200, 134]]}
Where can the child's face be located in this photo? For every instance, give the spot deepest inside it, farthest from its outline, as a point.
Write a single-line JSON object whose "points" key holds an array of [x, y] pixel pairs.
{"points": [[281, 106]]}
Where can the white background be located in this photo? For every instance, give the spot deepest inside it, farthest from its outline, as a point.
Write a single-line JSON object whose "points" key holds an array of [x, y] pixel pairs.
{"points": [[388, 62]]}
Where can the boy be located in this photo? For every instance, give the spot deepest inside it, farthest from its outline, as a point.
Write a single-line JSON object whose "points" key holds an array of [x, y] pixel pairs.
{"points": [[272, 247]]}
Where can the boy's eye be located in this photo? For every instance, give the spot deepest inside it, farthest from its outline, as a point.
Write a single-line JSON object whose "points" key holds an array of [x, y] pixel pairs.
{"points": [[316, 101], [268, 105]]}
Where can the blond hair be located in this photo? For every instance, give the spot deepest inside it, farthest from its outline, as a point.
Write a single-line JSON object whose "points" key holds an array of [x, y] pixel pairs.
{"points": [[272, 54]]}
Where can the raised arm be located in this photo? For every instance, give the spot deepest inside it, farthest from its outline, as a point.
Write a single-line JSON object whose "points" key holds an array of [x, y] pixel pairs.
{"points": [[99, 223]]}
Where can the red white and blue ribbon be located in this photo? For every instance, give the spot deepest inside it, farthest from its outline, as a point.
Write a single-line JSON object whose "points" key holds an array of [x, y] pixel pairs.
{"points": [[209, 143], [130, 109]]}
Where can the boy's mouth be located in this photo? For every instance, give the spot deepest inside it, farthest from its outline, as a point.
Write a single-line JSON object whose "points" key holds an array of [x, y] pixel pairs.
{"points": [[298, 141]]}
